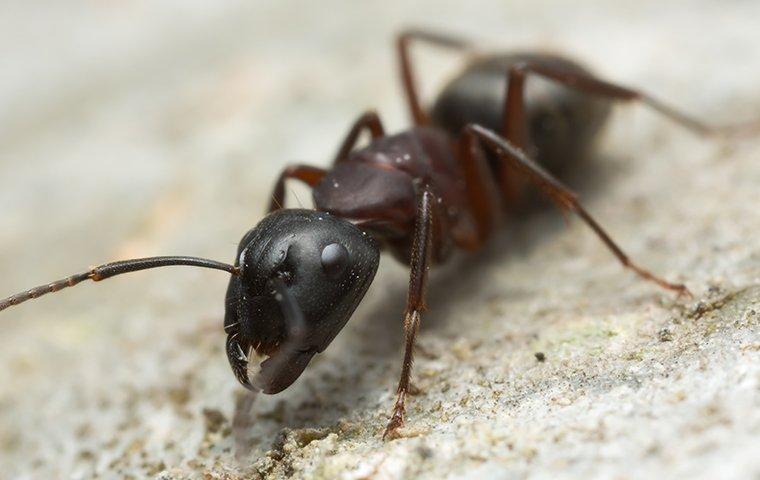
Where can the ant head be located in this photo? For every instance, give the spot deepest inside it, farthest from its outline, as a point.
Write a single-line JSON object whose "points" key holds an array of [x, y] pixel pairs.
{"points": [[302, 275]]}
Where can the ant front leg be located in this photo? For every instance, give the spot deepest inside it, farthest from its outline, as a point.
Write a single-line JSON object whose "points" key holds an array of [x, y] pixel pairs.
{"points": [[403, 43], [415, 304], [514, 159], [367, 121], [305, 173], [515, 119]]}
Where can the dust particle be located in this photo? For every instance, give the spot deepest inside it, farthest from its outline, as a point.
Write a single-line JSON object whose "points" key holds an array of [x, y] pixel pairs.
{"points": [[665, 335]]}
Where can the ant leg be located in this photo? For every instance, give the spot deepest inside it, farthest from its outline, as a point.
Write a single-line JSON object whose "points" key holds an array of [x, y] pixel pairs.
{"points": [[312, 175], [482, 191], [368, 120], [415, 304], [305, 173], [403, 42], [515, 118], [565, 198]]}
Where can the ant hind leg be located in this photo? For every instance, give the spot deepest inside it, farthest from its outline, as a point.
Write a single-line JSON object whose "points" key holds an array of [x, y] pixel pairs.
{"points": [[514, 159], [514, 117]]}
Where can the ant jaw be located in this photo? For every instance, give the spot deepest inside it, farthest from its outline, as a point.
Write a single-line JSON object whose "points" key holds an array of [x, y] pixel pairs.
{"points": [[271, 368], [239, 362], [280, 370], [268, 373], [250, 367]]}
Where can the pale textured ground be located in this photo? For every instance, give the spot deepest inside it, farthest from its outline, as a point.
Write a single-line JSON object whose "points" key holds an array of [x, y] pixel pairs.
{"points": [[129, 130]]}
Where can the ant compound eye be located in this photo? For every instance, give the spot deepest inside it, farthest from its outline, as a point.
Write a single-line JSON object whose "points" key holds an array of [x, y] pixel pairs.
{"points": [[334, 260]]}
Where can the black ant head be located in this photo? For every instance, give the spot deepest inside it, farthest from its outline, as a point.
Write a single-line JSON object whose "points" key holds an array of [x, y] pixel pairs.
{"points": [[302, 275]]}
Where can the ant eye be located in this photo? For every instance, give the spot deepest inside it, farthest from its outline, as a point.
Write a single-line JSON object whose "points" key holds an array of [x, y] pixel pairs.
{"points": [[334, 260]]}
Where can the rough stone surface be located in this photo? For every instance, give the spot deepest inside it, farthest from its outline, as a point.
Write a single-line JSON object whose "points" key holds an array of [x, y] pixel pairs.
{"points": [[131, 129]]}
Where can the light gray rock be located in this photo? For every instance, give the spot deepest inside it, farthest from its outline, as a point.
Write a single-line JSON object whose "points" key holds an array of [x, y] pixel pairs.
{"points": [[132, 129]]}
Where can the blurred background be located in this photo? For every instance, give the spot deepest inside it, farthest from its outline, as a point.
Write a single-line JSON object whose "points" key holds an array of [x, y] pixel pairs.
{"points": [[132, 128]]}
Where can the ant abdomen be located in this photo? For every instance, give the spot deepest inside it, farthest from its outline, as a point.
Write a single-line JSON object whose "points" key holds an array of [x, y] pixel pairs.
{"points": [[561, 122]]}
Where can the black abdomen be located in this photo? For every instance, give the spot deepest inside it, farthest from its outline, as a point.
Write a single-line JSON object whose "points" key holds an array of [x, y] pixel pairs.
{"points": [[562, 123]]}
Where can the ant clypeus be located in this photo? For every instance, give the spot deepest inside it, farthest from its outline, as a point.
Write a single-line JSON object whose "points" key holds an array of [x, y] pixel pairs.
{"points": [[444, 183]]}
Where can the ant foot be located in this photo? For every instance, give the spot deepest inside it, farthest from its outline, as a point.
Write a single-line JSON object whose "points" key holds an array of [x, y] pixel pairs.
{"points": [[679, 288], [396, 422], [682, 291]]}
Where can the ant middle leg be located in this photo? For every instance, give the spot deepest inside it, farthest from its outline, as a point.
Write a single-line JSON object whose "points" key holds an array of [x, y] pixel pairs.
{"points": [[514, 159], [403, 44], [485, 200]]}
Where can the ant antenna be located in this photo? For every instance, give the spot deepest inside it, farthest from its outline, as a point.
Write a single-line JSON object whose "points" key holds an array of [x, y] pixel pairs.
{"points": [[112, 269]]}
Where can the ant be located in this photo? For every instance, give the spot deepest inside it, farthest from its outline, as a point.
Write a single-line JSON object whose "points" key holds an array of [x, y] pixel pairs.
{"points": [[446, 183]]}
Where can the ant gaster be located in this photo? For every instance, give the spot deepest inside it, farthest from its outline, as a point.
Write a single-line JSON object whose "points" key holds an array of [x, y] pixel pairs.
{"points": [[443, 184]]}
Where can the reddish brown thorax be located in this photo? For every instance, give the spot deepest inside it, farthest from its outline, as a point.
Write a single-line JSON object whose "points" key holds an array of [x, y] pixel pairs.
{"points": [[377, 188]]}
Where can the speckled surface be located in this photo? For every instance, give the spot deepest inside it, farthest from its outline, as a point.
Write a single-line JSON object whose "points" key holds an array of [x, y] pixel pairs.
{"points": [[130, 129]]}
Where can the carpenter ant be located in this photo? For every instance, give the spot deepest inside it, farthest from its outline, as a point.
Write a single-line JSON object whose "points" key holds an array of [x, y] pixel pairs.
{"points": [[443, 184]]}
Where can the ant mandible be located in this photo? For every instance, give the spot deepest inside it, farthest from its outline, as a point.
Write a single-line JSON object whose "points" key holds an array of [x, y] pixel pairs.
{"points": [[443, 184]]}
